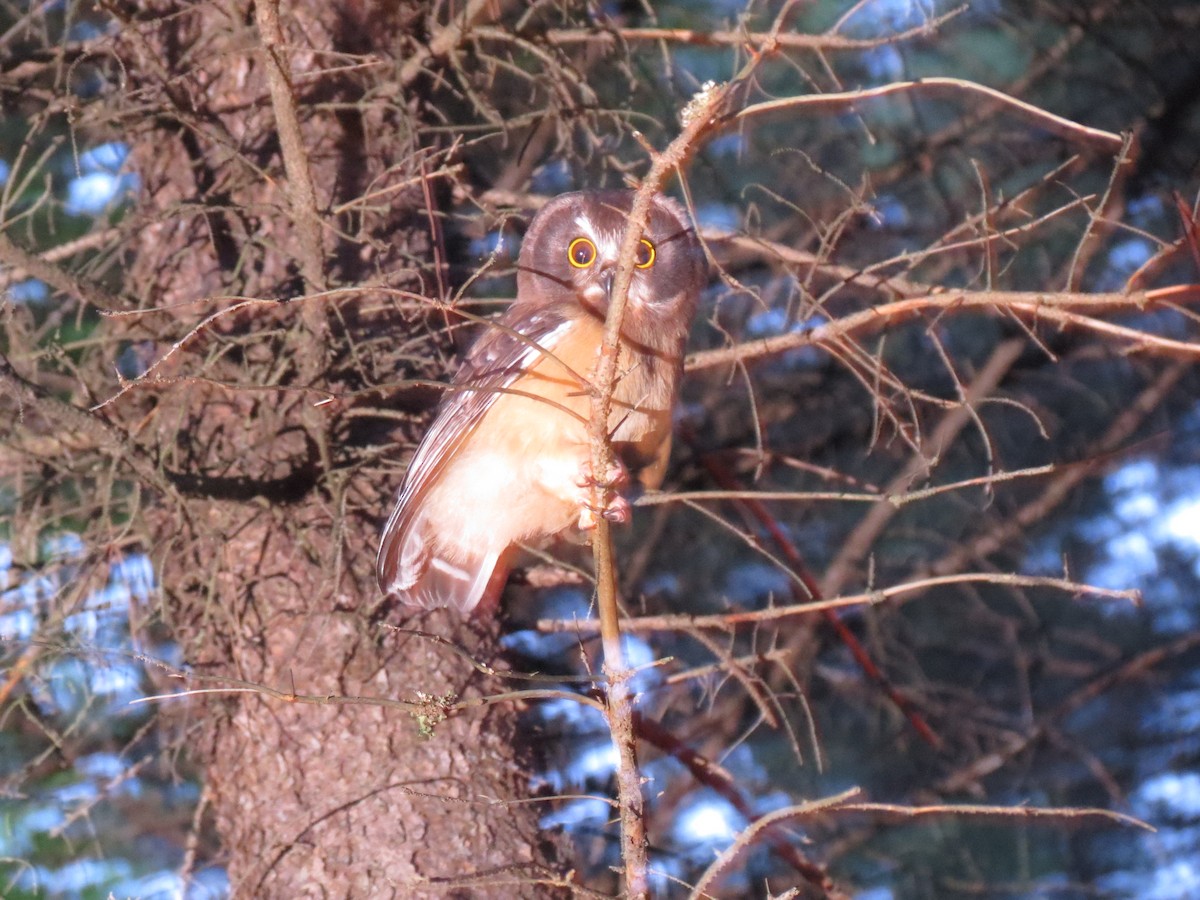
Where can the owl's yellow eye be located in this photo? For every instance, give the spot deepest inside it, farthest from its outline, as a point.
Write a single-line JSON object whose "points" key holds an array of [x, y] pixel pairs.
{"points": [[581, 253], [645, 255]]}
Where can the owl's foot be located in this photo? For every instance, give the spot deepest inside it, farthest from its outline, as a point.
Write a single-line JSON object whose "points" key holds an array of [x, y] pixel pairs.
{"points": [[615, 508]]}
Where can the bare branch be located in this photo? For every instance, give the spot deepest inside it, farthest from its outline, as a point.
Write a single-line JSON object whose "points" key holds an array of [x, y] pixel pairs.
{"points": [[949, 87], [42, 268], [726, 621], [759, 42], [449, 36], [1063, 308], [106, 437], [859, 542], [841, 803]]}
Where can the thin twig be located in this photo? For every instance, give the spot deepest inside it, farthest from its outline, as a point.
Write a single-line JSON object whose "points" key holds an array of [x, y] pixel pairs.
{"points": [[449, 36], [1016, 525], [755, 41], [969, 775], [719, 779], [69, 418], [953, 87]]}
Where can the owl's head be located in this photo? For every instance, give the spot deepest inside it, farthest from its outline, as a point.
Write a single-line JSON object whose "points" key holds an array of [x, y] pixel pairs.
{"points": [[571, 252]]}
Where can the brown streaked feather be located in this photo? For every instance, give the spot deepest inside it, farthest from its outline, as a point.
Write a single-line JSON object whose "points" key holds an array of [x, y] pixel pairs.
{"points": [[497, 359]]}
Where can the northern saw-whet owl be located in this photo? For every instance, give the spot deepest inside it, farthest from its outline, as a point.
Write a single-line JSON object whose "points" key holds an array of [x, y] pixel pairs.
{"points": [[507, 459]]}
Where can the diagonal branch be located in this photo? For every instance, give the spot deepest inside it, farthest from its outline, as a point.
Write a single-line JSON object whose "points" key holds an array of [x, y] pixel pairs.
{"points": [[68, 417], [859, 542], [449, 36], [302, 196], [1015, 526], [42, 268]]}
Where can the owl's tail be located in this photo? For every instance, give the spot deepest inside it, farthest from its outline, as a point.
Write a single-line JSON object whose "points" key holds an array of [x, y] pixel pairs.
{"points": [[411, 568]]}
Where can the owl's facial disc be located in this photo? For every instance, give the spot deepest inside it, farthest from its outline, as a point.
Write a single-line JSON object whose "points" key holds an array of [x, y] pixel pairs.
{"points": [[571, 254], [594, 255]]}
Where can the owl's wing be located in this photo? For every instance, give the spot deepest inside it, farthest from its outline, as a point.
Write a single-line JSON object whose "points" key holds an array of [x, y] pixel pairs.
{"points": [[408, 565]]}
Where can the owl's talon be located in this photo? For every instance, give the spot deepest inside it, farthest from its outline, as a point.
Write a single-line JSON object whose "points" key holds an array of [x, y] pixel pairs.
{"points": [[616, 508], [617, 511]]}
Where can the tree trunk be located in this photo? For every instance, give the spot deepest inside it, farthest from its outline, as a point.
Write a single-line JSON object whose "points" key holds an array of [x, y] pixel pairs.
{"points": [[266, 546]]}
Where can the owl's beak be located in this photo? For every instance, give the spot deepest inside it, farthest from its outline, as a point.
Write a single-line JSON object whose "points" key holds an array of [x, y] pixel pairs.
{"points": [[599, 289], [607, 274]]}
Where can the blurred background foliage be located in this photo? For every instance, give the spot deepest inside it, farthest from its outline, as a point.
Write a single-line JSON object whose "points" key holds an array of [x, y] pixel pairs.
{"points": [[1037, 697]]}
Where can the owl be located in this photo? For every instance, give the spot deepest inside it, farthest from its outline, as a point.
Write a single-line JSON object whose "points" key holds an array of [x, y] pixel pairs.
{"points": [[507, 460]]}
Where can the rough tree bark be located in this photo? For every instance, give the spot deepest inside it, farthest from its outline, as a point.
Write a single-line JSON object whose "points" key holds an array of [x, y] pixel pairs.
{"points": [[254, 132]]}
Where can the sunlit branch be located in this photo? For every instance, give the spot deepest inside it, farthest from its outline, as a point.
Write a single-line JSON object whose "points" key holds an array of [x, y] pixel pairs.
{"points": [[1068, 309], [726, 621], [943, 87]]}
